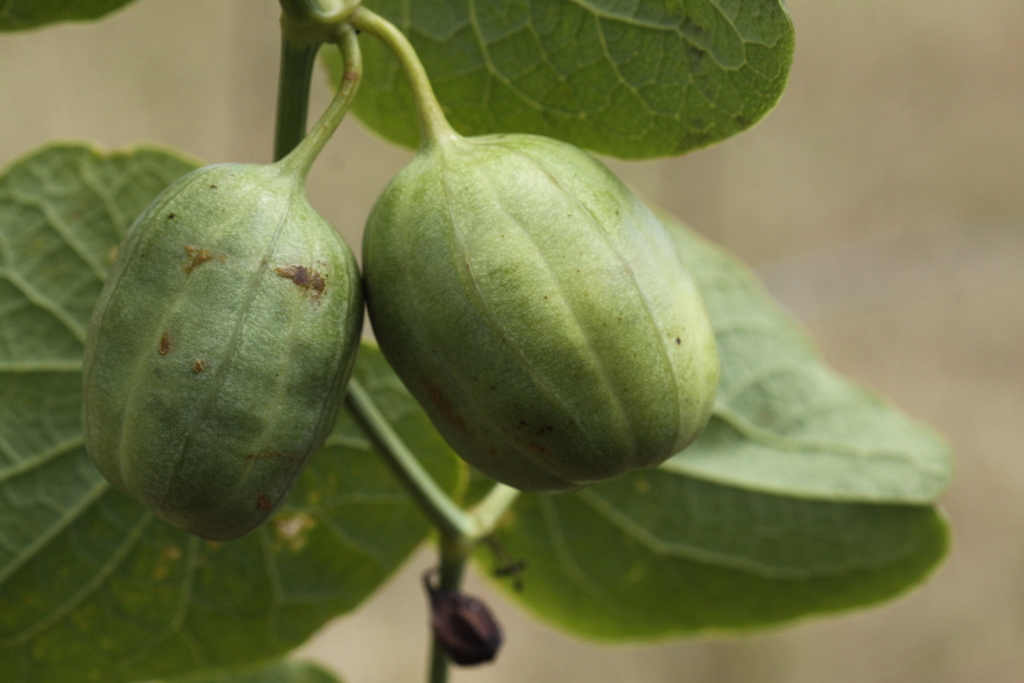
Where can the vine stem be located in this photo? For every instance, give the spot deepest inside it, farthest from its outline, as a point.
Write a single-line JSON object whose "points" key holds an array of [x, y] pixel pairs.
{"points": [[306, 24], [298, 55], [434, 126], [301, 157], [460, 530], [448, 517], [454, 555], [454, 523]]}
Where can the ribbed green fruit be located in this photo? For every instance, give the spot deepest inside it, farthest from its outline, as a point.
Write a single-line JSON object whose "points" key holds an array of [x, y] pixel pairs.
{"points": [[537, 310], [220, 347]]}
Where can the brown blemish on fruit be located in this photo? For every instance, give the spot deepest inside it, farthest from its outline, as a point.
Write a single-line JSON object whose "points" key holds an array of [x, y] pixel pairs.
{"points": [[678, 341], [546, 429], [446, 406], [171, 216], [304, 277], [164, 347], [197, 257], [263, 503], [198, 366], [213, 187]]}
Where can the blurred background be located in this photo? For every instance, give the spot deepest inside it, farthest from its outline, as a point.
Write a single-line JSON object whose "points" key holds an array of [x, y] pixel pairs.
{"points": [[882, 202]]}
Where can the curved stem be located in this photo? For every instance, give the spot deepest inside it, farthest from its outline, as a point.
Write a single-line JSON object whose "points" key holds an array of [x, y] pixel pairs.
{"points": [[486, 514], [298, 55], [434, 126], [456, 525], [459, 530], [301, 158], [435, 503], [454, 522]]}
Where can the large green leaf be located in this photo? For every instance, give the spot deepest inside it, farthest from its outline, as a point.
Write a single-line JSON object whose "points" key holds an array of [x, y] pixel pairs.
{"points": [[17, 15], [655, 553], [92, 586], [278, 672], [637, 79], [785, 423]]}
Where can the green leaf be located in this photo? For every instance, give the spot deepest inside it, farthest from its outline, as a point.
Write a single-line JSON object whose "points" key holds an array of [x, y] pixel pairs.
{"points": [[783, 422], [628, 79], [277, 672], [654, 554], [18, 15], [92, 586]]}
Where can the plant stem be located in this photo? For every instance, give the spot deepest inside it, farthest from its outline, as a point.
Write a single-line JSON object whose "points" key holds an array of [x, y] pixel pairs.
{"points": [[456, 525], [305, 152], [452, 520], [454, 554], [305, 26], [459, 530], [487, 512], [438, 662], [298, 55], [434, 126]]}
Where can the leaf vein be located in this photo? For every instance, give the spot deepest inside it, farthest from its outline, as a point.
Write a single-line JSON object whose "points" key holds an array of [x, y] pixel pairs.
{"points": [[73, 601], [44, 303]]}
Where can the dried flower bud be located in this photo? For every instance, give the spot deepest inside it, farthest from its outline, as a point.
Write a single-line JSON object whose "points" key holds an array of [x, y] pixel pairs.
{"points": [[463, 625]]}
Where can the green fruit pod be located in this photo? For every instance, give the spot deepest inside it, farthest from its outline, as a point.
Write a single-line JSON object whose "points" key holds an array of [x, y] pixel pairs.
{"points": [[537, 310], [217, 355]]}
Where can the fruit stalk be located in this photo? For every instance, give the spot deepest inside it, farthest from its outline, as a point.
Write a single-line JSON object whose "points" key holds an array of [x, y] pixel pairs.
{"points": [[442, 511], [460, 530], [301, 158], [434, 126], [457, 525], [435, 503], [298, 56], [305, 26]]}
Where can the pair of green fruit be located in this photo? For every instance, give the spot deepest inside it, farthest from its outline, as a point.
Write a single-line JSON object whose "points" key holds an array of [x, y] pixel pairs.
{"points": [[530, 302]]}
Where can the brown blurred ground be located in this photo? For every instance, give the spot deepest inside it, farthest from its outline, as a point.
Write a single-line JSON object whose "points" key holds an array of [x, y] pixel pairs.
{"points": [[882, 201]]}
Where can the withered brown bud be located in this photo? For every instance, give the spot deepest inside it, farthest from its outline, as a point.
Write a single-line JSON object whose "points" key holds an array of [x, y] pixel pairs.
{"points": [[463, 625]]}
